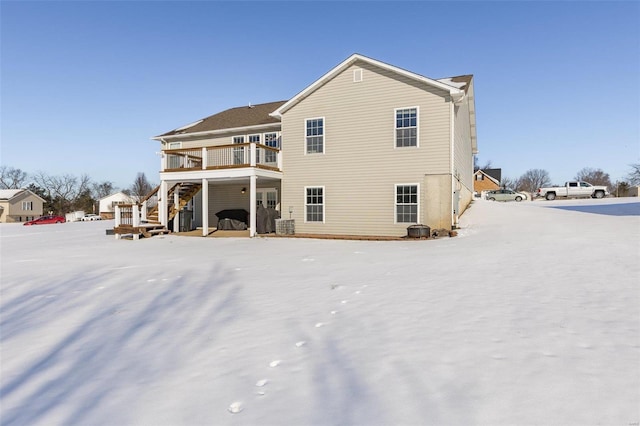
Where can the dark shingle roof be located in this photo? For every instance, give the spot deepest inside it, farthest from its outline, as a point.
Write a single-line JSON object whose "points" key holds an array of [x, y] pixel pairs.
{"points": [[244, 116], [466, 79]]}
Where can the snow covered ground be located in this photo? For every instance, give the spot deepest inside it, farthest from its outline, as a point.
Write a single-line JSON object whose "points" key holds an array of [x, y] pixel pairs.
{"points": [[530, 316]]}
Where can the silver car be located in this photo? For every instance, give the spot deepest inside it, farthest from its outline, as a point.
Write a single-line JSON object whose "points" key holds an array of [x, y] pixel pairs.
{"points": [[505, 195]]}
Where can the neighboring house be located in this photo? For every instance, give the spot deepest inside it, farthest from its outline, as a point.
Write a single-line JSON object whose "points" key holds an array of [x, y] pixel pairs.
{"points": [[19, 205], [486, 180], [107, 204], [368, 149]]}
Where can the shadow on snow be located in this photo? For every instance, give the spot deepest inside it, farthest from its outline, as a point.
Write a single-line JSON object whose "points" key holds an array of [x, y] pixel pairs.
{"points": [[133, 340]]}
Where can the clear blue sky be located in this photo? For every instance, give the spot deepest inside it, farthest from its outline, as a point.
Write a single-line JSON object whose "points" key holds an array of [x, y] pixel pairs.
{"points": [[85, 85]]}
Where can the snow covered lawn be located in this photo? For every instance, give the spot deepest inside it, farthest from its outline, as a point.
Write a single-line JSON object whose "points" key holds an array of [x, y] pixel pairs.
{"points": [[530, 316]]}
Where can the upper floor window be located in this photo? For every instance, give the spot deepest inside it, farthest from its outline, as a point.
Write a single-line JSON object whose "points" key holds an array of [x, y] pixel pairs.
{"points": [[315, 135], [314, 204], [406, 127], [27, 205], [271, 140], [407, 203]]}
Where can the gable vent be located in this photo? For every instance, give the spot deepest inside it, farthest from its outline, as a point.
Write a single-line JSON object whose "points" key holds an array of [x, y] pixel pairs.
{"points": [[357, 75]]}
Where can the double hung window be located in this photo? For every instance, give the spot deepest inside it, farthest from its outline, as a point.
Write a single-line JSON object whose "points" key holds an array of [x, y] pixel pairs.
{"points": [[314, 204], [238, 153], [256, 139], [315, 136], [406, 127], [271, 140], [407, 203]]}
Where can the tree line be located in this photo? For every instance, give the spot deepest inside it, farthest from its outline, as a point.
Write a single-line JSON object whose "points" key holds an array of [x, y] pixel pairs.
{"points": [[67, 193], [533, 179]]}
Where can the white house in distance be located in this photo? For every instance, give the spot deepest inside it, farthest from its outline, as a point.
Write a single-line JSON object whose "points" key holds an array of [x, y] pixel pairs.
{"points": [[368, 149], [107, 204], [19, 205]]}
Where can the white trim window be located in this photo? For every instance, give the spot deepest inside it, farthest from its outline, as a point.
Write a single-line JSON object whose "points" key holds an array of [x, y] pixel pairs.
{"points": [[27, 205], [314, 131], [406, 127], [407, 203], [238, 152], [314, 204], [271, 140], [256, 139]]}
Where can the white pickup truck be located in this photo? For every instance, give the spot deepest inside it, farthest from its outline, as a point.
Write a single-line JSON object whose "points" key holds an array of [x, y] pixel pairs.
{"points": [[573, 190]]}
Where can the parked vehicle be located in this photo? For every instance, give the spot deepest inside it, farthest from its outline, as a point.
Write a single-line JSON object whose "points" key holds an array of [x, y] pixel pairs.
{"points": [[74, 216], [44, 220], [505, 195], [91, 217], [574, 189]]}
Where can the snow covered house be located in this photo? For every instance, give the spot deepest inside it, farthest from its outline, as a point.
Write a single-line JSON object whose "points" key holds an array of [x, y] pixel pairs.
{"points": [[368, 149], [107, 205], [19, 205]]}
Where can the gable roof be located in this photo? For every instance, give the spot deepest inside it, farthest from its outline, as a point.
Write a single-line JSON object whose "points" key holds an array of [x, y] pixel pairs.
{"points": [[9, 194], [449, 87], [119, 194], [245, 116], [493, 177]]}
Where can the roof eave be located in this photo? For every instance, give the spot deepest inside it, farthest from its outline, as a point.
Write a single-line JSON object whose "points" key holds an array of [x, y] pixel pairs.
{"points": [[215, 132]]}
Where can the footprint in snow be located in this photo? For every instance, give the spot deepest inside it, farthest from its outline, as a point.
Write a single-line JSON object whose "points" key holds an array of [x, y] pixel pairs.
{"points": [[301, 343], [319, 324], [343, 302], [261, 383], [334, 312], [274, 363], [151, 280]]}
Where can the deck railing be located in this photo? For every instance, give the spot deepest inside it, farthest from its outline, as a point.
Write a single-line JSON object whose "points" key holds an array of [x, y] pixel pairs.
{"points": [[222, 157]]}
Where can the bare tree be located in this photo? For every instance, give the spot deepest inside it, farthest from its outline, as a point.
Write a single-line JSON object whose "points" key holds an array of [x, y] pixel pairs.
{"points": [[533, 179], [508, 183], [65, 191], [11, 178], [634, 175], [476, 167], [594, 177], [102, 189], [141, 187]]}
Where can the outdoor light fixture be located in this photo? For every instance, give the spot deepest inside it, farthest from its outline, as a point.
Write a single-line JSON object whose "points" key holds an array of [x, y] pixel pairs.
{"points": [[243, 190], [290, 211]]}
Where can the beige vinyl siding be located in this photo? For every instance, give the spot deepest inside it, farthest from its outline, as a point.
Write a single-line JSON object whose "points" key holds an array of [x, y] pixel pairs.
{"points": [[15, 207], [463, 156], [361, 165], [13, 211]]}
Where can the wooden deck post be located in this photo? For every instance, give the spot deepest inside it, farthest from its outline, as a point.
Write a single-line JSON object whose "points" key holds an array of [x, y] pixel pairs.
{"points": [[135, 215], [163, 204], [253, 151], [176, 205]]}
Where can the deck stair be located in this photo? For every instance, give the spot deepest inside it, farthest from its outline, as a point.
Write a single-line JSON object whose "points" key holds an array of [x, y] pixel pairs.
{"points": [[153, 226], [186, 191]]}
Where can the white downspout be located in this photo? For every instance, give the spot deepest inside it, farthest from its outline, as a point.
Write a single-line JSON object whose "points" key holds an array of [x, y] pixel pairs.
{"points": [[253, 210], [454, 218], [205, 207]]}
